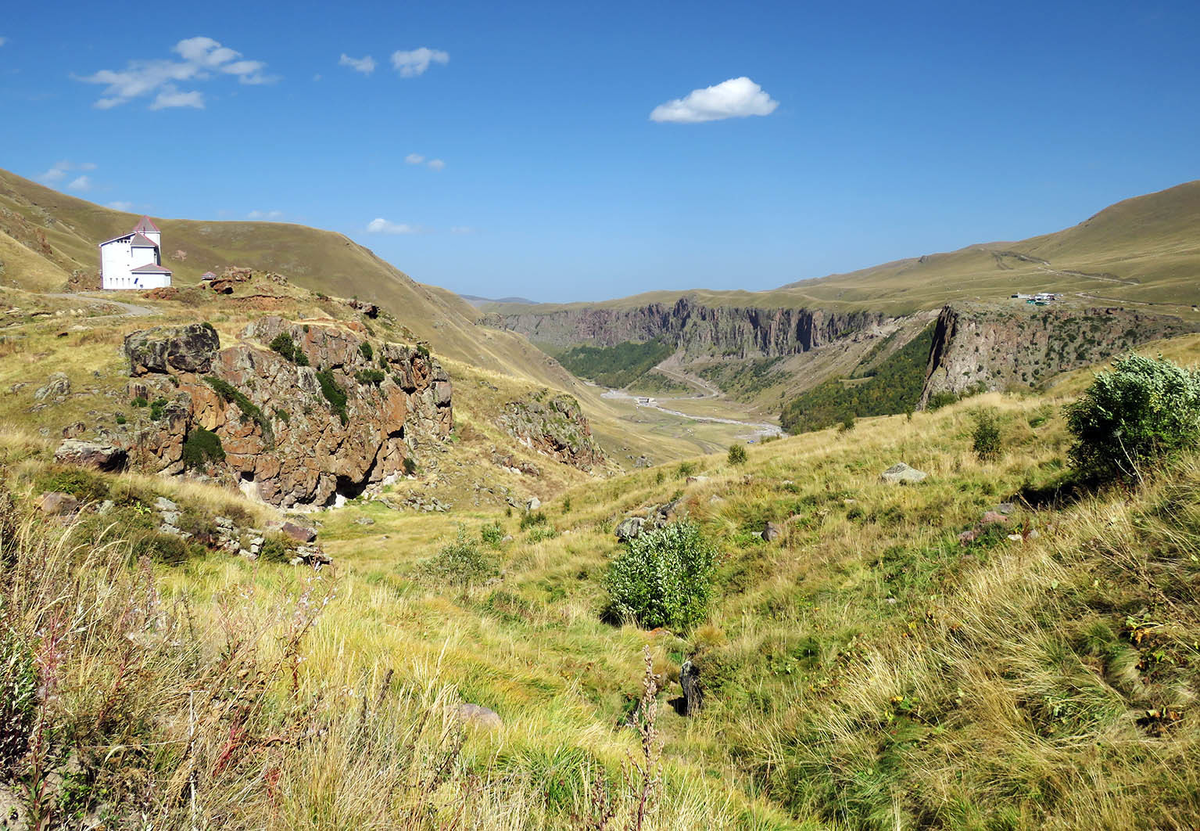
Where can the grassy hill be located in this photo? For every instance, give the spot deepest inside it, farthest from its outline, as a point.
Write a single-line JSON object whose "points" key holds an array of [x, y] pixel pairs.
{"points": [[1144, 250], [868, 668]]}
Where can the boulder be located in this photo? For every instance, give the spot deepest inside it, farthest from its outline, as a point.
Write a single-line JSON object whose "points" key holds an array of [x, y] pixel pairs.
{"points": [[772, 532], [902, 474], [992, 518], [299, 533], [693, 695], [188, 348], [533, 504], [57, 503], [479, 716], [57, 386], [629, 528], [94, 455]]}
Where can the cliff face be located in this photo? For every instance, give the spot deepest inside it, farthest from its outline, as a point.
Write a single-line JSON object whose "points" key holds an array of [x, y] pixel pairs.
{"points": [[1000, 348], [554, 426], [290, 435], [699, 330]]}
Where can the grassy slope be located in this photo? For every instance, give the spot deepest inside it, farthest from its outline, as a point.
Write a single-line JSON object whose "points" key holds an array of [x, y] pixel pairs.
{"points": [[865, 670], [1149, 243]]}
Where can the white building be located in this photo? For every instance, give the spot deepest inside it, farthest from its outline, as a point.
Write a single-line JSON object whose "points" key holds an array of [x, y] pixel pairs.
{"points": [[134, 261]]}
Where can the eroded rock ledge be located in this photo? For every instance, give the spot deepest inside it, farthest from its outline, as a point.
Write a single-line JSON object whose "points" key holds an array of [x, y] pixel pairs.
{"points": [[554, 426], [287, 434]]}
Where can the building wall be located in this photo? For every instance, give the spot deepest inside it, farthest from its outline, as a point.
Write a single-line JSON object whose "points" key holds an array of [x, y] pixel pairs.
{"points": [[151, 281], [119, 257]]}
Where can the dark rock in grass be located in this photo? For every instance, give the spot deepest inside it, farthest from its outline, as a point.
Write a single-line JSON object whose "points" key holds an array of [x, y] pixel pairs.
{"points": [[299, 533], [91, 454], [902, 474], [630, 528], [772, 532], [57, 386], [57, 503], [693, 695], [478, 716], [188, 348]]}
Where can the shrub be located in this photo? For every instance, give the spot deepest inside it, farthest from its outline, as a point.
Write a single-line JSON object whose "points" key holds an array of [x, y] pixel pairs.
{"points": [[276, 548], [156, 408], [847, 423], [334, 394], [139, 402], [985, 437], [1140, 411], [410, 466], [250, 410], [121, 418], [366, 351], [941, 399], [201, 448], [737, 454], [459, 563], [532, 519], [370, 376], [664, 577], [78, 482], [542, 532], [492, 535], [685, 469], [285, 346]]}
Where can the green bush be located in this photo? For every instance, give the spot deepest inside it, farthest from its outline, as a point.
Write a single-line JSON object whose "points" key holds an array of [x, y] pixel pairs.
{"points": [[459, 563], [542, 532], [366, 351], [157, 406], [121, 418], [492, 535], [664, 577], [139, 402], [250, 410], [370, 376], [532, 519], [1141, 410], [737, 454], [334, 394], [201, 448], [940, 399], [285, 346], [276, 548], [985, 436], [78, 482]]}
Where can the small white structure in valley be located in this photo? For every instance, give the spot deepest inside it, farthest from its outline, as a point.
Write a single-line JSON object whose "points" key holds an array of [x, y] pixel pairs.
{"points": [[133, 261]]}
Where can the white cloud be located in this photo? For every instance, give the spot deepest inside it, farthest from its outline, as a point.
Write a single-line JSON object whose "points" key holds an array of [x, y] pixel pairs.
{"points": [[414, 158], [365, 65], [59, 171], [121, 206], [379, 225], [415, 62], [264, 215], [735, 98], [462, 229], [3, 41], [203, 59], [82, 183], [437, 164]]}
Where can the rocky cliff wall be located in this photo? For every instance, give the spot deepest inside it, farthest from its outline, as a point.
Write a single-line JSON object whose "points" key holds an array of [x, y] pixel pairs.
{"points": [[284, 440], [699, 330], [999, 348], [554, 426]]}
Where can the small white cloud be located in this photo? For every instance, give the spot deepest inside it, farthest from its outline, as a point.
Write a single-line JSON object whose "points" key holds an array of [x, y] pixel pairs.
{"points": [[121, 206], [365, 65], [735, 98], [59, 171], [264, 215], [462, 229], [437, 164], [415, 62], [202, 59], [414, 158], [3, 41], [379, 225], [82, 183], [171, 97]]}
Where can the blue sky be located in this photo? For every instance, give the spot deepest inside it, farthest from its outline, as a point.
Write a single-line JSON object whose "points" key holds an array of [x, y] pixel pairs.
{"points": [[864, 131]]}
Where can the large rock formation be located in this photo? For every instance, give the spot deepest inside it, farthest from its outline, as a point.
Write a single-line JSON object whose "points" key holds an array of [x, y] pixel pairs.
{"points": [[697, 329], [996, 348], [555, 426], [291, 435]]}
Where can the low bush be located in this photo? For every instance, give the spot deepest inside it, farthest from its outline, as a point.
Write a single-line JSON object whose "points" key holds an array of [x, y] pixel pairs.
{"points": [[1140, 411], [201, 448], [492, 535], [250, 410], [82, 484], [334, 394], [532, 519], [737, 454], [664, 577], [285, 346], [370, 376], [459, 563], [985, 436], [366, 351]]}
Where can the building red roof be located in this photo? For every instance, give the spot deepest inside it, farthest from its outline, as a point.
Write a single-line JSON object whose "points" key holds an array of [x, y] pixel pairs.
{"points": [[140, 240], [149, 268], [145, 226]]}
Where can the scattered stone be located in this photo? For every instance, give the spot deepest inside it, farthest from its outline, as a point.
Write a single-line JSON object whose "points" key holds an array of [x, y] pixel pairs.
{"points": [[772, 532], [58, 385], [533, 504], [91, 454], [993, 518], [693, 695], [629, 528], [73, 430], [299, 533], [1005, 508], [57, 503], [479, 716], [364, 520], [1016, 538], [1032, 534], [105, 506], [902, 474], [692, 480]]}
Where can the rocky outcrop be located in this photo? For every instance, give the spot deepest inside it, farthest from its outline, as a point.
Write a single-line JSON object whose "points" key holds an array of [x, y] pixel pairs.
{"points": [[553, 425], [291, 435], [697, 329], [990, 348], [90, 454]]}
